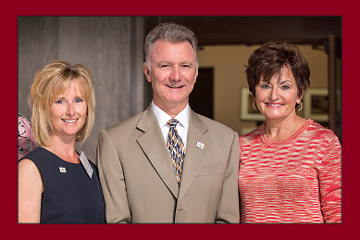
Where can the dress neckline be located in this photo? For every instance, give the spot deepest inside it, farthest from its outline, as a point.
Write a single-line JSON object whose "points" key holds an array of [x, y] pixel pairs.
{"points": [[60, 157], [289, 139]]}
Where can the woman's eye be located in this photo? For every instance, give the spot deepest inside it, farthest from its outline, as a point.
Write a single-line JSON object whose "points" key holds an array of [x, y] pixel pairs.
{"points": [[265, 86], [78, 100], [285, 87], [59, 101]]}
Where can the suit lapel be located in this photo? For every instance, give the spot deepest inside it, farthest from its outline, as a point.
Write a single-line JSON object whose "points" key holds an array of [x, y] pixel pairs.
{"points": [[194, 155], [153, 145]]}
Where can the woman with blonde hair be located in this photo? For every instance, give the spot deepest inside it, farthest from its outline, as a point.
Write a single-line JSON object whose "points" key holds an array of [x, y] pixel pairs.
{"points": [[56, 183]]}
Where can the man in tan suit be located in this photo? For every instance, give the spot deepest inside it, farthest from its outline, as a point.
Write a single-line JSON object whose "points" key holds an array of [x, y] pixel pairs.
{"points": [[141, 182]]}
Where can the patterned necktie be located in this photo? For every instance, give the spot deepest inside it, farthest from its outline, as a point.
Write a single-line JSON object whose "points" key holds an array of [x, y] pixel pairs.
{"points": [[176, 148]]}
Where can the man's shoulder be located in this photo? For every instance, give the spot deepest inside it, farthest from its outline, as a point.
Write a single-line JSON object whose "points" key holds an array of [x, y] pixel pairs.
{"points": [[129, 123]]}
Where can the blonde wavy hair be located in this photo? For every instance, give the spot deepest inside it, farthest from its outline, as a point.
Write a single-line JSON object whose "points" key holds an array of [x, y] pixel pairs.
{"points": [[48, 83]]}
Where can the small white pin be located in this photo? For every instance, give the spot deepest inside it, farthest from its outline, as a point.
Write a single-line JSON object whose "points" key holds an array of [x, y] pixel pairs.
{"points": [[62, 169], [200, 145]]}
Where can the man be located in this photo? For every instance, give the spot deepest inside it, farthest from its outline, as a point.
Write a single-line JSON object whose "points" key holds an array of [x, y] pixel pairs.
{"points": [[147, 179]]}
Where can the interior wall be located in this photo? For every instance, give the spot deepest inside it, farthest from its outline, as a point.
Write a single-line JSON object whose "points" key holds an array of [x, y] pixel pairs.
{"points": [[229, 77], [111, 47]]}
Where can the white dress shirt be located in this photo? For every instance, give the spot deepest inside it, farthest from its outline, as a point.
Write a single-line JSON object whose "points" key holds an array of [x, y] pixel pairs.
{"points": [[182, 127]]}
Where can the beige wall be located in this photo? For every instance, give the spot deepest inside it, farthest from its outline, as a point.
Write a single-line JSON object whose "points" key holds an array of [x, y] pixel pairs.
{"points": [[229, 78]]}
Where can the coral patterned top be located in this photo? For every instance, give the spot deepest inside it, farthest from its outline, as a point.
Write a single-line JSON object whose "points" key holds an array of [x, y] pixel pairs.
{"points": [[297, 180]]}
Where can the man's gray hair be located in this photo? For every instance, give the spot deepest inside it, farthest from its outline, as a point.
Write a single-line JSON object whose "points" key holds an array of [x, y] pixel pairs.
{"points": [[170, 32]]}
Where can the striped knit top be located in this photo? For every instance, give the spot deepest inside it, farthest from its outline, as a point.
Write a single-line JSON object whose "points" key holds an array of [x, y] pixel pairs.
{"points": [[297, 180]]}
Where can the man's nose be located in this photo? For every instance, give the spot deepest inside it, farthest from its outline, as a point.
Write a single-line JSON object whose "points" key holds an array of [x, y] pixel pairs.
{"points": [[175, 74]]}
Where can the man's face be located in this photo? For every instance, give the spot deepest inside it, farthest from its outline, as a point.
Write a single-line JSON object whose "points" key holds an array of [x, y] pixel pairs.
{"points": [[173, 74]]}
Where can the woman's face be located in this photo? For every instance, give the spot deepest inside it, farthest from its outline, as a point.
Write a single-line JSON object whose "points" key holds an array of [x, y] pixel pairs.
{"points": [[68, 112], [277, 99]]}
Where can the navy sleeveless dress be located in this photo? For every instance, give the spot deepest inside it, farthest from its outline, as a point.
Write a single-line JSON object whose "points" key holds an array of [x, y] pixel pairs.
{"points": [[69, 196]]}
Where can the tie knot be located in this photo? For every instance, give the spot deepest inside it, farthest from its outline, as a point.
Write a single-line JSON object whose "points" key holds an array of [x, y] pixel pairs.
{"points": [[172, 122]]}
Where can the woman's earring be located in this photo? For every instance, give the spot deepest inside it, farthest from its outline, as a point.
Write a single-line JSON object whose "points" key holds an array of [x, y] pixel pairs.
{"points": [[301, 106], [254, 105]]}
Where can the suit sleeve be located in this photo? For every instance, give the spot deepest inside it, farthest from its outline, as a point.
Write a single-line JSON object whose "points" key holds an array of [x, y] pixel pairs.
{"points": [[112, 180], [228, 211]]}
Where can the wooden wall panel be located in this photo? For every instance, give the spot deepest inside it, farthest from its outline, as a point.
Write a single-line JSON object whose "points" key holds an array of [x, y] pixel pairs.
{"points": [[108, 46]]}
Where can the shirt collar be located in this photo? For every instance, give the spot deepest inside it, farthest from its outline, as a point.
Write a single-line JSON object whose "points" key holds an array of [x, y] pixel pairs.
{"points": [[163, 117]]}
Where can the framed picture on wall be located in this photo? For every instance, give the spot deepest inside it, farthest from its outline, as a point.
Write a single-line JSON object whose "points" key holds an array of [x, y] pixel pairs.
{"points": [[316, 104], [247, 112]]}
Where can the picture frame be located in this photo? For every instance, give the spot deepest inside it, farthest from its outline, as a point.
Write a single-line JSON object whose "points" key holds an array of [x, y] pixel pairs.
{"points": [[316, 104], [247, 112]]}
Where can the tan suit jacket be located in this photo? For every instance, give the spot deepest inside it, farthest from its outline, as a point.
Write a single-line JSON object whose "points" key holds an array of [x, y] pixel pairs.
{"points": [[138, 178]]}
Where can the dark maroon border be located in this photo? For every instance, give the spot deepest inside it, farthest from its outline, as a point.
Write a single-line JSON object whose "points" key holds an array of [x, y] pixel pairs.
{"points": [[12, 9]]}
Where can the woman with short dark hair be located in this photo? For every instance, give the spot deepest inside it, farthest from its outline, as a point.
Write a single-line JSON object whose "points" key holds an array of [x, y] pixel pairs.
{"points": [[290, 167]]}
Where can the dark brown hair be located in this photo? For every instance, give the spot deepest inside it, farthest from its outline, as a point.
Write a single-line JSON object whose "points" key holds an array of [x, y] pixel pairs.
{"points": [[268, 60]]}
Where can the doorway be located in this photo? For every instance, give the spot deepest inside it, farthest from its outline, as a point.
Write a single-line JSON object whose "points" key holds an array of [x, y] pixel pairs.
{"points": [[202, 97]]}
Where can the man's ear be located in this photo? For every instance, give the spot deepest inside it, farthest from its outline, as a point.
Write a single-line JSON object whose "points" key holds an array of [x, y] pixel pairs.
{"points": [[196, 74], [146, 72]]}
